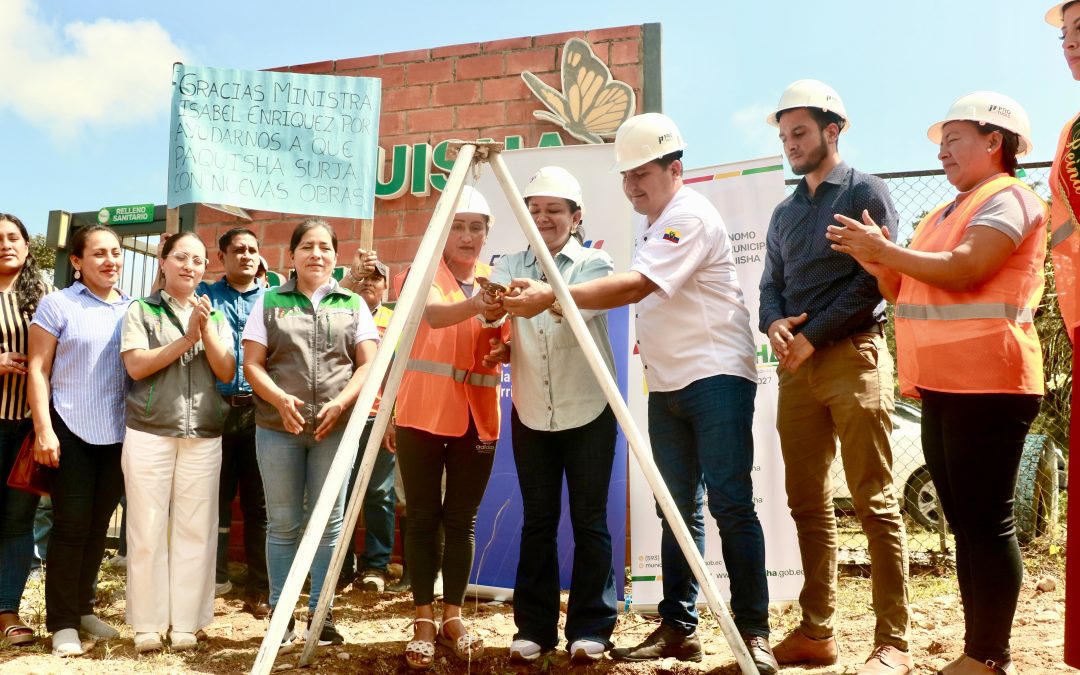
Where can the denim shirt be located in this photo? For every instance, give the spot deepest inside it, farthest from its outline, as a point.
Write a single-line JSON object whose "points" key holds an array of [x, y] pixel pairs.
{"points": [[236, 306], [553, 387]]}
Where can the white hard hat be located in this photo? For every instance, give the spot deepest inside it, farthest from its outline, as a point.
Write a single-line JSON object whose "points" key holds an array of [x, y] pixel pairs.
{"points": [[1056, 16], [471, 201], [988, 107], [554, 181], [643, 138], [810, 94]]}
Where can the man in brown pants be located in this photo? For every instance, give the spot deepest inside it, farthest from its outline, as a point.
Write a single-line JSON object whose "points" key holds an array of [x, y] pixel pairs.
{"points": [[824, 317]]}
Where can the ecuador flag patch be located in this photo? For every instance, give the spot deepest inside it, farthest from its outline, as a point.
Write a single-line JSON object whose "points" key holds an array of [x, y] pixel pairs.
{"points": [[672, 235]]}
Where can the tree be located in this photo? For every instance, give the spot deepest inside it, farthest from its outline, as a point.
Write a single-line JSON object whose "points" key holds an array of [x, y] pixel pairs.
{"points": [[44, 254]]}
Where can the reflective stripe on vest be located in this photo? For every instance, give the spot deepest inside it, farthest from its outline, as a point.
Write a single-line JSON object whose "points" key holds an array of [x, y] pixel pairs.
{"points": [[979, 310], [1062, 233], [456, 374]]}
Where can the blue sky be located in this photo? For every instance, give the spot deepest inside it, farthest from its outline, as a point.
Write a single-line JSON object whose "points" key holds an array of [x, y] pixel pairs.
{"points": [[84, 103]]}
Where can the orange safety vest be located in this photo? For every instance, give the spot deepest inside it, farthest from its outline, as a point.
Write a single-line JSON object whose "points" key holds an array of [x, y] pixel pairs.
{"points": [[445, 378], [1064, 240], [979, 341], [381, 316]]}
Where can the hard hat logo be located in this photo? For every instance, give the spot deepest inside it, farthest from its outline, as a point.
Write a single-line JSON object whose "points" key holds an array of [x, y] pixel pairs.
{"points": [[663, 139], [998, 110]]}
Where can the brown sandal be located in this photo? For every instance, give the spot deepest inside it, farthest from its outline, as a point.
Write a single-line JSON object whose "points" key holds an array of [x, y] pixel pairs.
{"points": [[16, 632]]}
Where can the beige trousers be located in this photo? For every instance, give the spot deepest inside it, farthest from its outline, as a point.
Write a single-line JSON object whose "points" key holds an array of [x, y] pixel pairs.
{"points": [[172, 515], [844, 392]]}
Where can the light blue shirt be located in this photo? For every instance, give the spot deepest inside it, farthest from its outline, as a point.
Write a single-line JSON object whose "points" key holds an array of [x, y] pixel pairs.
{"points": [[89, 382], [553, 387]]}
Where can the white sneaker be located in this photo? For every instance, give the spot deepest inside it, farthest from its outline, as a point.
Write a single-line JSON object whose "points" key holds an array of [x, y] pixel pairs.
{"points": [[523, 651], [66, 642], [98, 628], [223, 588], [117, 562], [584, 651], [182, 641], [148, 642]]}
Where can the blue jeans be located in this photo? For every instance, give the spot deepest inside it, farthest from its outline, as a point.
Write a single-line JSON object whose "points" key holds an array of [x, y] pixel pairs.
{"points": [[290, 466], [16, 519], [585, 456], [379, 503], [702, 439], [43, 519]]}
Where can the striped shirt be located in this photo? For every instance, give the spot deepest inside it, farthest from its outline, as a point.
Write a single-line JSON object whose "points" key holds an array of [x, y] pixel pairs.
{"points": [[14, 334], [89, 383]]}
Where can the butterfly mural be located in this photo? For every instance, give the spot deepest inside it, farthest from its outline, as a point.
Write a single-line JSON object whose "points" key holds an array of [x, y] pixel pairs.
{"points": [[591, 105]]}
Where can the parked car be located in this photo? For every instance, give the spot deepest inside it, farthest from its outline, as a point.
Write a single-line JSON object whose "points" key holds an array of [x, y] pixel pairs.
{"points": [[1042, 475]]}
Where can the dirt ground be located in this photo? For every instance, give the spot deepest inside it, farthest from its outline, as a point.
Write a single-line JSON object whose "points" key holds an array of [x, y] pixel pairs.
{"points": [[377, 626]]}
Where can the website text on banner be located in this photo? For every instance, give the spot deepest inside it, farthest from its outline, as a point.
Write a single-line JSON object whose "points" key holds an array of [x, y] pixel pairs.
{"points": [[606, 224], [284, 142], [745, 194]]}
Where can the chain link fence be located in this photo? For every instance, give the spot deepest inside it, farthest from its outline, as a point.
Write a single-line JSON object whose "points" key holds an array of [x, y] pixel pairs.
{"points": [[1040, 495]]}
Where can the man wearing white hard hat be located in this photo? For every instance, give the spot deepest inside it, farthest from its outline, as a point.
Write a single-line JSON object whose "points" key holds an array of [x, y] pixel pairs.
{"points": [[966, 290], [824, 316], [1065, 246], [694, 336], [562, 428], [447, 423]]}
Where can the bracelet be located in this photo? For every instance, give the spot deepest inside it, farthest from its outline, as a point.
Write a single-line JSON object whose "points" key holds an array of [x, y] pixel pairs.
{"points": [[352, 276]]}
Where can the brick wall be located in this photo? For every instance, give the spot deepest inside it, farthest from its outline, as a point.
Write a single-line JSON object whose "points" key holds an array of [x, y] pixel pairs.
{"points": [[462, 91]]}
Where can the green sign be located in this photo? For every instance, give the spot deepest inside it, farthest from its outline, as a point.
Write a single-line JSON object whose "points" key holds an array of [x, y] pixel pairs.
{"points": [[119, 215]]}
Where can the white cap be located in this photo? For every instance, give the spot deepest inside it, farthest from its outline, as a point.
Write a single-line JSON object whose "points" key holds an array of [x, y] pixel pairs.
{"points": [[810, 94], [471, 201], [643, 138], [554, 181], [988, 107]]}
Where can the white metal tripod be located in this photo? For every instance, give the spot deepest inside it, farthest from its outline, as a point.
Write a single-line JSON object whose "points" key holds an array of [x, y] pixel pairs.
{"points": [[400, 334]]}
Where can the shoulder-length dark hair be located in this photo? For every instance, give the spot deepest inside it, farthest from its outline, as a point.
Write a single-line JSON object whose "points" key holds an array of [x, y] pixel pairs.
{"points": [[28, 285]]}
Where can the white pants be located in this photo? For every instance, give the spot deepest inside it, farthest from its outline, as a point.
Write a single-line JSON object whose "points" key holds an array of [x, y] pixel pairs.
{"points": [[172, 516]]}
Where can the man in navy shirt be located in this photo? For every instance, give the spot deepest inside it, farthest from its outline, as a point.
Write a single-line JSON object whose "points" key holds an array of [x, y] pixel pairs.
{"points": [[234, 294], [824, 317]]}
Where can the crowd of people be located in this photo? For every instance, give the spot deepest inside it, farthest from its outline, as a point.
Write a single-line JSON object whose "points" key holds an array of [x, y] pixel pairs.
{"points": [[180, 399]]}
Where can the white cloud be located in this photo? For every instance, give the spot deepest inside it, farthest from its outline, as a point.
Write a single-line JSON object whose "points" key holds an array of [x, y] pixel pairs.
{"points": [[757, 137], [63, 79]]}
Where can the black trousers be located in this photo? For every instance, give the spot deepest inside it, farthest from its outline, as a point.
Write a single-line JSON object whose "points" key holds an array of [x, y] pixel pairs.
{"points": [[972, 444], [467, 462], [240, 471], [85, 491]]}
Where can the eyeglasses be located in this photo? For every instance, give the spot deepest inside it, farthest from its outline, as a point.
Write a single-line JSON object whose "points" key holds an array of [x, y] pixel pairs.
{"points": [[182, 258]]}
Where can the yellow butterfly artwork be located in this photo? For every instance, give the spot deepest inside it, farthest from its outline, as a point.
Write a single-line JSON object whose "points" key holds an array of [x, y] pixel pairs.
{"points": [[591, 105]]}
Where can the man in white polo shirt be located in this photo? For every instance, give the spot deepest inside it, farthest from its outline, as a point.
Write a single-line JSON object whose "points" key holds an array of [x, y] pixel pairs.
{"points": [[694, 337]]}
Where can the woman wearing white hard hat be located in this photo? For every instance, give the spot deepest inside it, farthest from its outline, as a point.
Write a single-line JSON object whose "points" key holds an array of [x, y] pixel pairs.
{"points": [[447, 421], [1065, 247], [562, 427], [966, 290]]}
